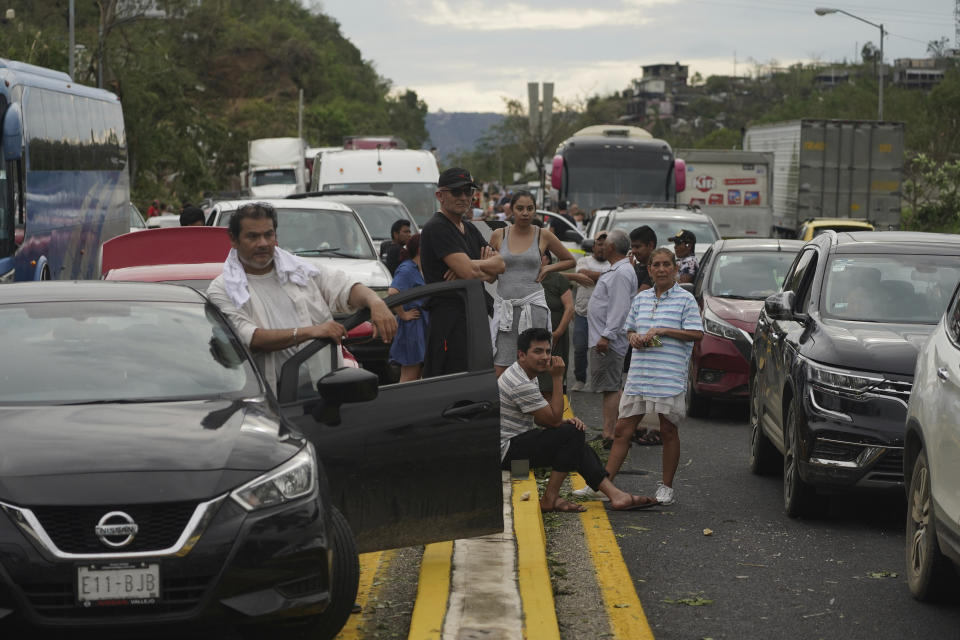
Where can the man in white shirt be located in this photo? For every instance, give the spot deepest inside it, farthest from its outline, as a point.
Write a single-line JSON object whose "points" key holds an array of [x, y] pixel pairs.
{"points": [[277, 301], [560, 443], [587, 273]]}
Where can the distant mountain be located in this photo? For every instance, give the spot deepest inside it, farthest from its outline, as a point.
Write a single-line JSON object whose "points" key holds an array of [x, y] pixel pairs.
{"points": [[453, 132]]}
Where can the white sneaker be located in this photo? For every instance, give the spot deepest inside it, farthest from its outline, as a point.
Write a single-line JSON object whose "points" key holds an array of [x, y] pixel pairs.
{"points": [[666, 495], [576, 386], [589, 494]]}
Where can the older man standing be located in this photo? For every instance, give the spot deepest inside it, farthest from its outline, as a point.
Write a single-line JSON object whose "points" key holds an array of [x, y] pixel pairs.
{"points": [[607, 340]]}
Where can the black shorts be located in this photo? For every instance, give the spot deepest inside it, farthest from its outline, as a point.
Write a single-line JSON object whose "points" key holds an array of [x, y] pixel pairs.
{"points": [[447, 350]]}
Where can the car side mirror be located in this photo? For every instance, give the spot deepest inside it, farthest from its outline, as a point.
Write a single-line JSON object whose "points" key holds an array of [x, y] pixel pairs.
{"points": [[779, 306], [572, 235], [346, 384]]}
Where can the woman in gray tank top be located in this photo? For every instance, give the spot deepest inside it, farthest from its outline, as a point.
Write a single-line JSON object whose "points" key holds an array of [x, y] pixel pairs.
{"points": [[520, 301]]}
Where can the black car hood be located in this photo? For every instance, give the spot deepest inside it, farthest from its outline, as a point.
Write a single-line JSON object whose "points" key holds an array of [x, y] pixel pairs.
{"points": [[868, 346], [136, 452]]}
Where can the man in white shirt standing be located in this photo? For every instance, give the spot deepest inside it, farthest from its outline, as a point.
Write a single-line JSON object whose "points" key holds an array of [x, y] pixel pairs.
{"points": [[587, 273], [276, 301]]}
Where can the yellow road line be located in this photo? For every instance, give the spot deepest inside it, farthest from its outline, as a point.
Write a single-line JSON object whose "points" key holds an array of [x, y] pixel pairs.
{"points": [[567, 411], [536, 592], [433, 592], [371, 564], [624, 611]]}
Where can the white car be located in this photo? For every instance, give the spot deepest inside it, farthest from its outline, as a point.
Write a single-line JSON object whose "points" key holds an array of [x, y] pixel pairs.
{"points": [[320, 231], [665, 221], [163, 221], [931, 463]]}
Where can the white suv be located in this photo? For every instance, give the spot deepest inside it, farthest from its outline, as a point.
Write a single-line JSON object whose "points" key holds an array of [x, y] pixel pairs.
{"points": [[931, 462]]}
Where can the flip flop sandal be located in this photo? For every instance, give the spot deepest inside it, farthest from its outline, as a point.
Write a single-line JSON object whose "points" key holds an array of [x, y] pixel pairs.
{"points": [[644, 503]]}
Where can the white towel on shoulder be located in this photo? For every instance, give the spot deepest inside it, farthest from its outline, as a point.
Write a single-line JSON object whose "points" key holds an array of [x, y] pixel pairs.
{"points": [[288, 266]]}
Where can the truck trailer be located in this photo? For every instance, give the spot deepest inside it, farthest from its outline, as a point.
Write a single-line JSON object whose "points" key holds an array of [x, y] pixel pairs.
{"points": [[732, 187], [846, 169]]}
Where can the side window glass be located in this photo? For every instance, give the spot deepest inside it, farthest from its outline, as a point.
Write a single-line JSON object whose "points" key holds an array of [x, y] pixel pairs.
{"points": [[953, 319], [796, 275], [805, 289], [705, 267], [314, 368]]}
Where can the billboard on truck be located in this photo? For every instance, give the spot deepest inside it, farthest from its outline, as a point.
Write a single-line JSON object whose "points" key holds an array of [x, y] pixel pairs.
{"points": [[833, 169], [732, 187]]}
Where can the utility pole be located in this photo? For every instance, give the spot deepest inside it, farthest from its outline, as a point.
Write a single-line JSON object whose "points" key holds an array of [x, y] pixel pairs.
{"points": [[71, 53], [541, 115]]}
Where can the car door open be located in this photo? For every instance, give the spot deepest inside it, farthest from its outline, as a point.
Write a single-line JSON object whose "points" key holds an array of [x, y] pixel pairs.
{"points": [[420, 461]]}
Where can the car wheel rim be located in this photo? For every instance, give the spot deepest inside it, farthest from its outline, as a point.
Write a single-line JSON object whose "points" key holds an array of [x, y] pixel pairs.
{"points": [[920, 518], [789, 463]]}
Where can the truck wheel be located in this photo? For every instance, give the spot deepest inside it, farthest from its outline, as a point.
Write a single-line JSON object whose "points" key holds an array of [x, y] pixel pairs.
{"points": [[763, 455], [928, 570]]}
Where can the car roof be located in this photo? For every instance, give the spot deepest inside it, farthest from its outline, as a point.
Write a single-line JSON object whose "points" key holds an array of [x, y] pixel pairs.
{"points": [[163, 272], [892, 242], [100, 290], [348, 196], [320, 204], [757, 244], [654, 213]]}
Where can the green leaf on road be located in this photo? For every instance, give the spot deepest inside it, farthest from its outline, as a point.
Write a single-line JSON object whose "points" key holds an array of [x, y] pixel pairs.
{"points": [[690, 602], [882, 574]]}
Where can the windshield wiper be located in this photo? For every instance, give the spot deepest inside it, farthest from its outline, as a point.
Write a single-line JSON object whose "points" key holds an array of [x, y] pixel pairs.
{"points": [[313, 252], [732, 296]]}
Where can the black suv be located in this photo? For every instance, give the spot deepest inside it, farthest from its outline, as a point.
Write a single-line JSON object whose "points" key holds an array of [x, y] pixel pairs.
{"points": [[834, 355]]}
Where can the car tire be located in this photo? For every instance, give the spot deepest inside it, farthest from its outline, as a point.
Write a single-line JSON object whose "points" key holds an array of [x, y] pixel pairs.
{"points": [[763, 455], [928, 570], [798, 497]]}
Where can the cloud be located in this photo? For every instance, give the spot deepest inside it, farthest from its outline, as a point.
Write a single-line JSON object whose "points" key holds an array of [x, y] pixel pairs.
{"points": [[474, 15]]}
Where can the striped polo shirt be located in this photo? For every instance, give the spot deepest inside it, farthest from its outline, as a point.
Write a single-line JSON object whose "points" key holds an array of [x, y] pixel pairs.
{"points": [[661, 372], [520, 397]]}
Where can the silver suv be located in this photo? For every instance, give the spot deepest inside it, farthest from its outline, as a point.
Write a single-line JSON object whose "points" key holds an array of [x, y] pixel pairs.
{"points": [[666, 220], [931, 463]]}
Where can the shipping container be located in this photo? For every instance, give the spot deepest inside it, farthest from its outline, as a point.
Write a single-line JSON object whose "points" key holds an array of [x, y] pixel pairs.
{"points": [[732, 187], [833, 169]]}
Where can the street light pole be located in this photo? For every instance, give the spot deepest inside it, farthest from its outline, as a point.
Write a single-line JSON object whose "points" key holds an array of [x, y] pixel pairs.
{"points": [[822, 11]]}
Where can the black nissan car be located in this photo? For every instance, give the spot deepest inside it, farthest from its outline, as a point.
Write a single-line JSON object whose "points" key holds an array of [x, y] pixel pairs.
{"points": [[149, 477], [834, 355]]}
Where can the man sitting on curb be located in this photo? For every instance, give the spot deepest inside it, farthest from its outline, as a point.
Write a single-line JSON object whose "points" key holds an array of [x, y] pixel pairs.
{"points": [[560, 444]]}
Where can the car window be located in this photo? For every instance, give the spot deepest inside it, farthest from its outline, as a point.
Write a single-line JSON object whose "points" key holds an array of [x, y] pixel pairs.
{"points": [[705, 264], [318, 232], [799, 270], [889, 288], [664, 229], [749, 275], [953, 318], [144, 351], [379, 217]]}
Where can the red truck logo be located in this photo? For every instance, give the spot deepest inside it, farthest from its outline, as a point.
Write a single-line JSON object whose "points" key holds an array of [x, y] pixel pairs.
{"points": [[705, 183]]}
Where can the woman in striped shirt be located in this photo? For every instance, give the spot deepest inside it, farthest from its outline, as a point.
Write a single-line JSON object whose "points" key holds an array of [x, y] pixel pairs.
{"points": [[661, 326]]}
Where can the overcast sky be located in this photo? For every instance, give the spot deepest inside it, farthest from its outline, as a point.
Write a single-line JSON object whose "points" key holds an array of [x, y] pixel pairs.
{"points": [[468, 55]]}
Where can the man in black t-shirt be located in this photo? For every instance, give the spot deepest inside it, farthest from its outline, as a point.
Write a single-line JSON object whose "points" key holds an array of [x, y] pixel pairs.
{"points": [[452, 248]]}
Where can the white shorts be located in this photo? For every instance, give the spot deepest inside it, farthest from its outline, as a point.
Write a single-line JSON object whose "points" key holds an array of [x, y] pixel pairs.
{"points": [[673, 408]]}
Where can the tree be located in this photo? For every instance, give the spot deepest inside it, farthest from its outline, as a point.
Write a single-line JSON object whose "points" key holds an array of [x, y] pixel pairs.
{"points": [[932, 192], [939, 48]]}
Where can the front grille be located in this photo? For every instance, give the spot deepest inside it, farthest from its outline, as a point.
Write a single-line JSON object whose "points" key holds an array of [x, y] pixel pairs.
{"points": [[72, 528], [895, 389], [58, 599], [890, 464], [829, 450]]}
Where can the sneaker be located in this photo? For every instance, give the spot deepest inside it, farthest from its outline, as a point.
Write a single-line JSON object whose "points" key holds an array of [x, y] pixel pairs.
{"points": [[666, 495], [589, 494], [576, 386]]}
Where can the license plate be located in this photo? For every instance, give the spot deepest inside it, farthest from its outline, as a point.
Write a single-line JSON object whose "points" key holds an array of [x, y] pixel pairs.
{"points": [[120, 584]]}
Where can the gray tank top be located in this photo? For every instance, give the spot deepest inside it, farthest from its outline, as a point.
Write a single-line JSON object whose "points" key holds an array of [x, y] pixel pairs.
{"points": [[520, 278]]}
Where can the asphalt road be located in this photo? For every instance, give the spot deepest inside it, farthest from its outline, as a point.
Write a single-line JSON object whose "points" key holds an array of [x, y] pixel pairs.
{"points": [[760, 574]]}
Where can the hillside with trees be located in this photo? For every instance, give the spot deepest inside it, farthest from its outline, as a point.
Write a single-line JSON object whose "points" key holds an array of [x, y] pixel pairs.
{"points": [[199, 79]]}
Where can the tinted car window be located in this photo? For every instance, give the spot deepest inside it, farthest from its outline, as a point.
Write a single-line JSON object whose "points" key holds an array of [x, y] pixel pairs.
{"points": [[795, 278], [889, 288], [667, 228], [378, 218], [750, 275], [79, 352]]}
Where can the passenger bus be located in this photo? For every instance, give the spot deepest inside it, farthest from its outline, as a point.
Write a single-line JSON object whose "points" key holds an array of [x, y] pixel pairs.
{"points": [[607, 165], [64, 183]]}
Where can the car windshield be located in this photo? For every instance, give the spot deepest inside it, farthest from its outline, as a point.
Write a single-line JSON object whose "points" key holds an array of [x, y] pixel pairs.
{"points": [[419, 197], [379, 217], [273, 176], [889, 288], [667, 228], [318, 232], [100, 352], [749, 275]]}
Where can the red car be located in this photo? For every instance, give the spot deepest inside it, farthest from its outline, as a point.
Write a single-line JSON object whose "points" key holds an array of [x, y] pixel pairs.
{"points": [[735, 277], [192, 256]]}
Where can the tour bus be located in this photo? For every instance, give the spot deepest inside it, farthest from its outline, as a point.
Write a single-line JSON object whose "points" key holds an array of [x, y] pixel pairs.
{"points": [[407, 174], [607, 165], [64, 184]]}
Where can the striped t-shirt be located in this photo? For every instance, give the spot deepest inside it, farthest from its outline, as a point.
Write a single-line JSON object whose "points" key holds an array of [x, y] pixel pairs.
{"points": [[661, 372], [520, 397]]}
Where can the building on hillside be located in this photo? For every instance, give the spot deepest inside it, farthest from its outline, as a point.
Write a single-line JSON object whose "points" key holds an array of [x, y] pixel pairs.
{"points": [[919, 73], [832, 77], [656, 95]]}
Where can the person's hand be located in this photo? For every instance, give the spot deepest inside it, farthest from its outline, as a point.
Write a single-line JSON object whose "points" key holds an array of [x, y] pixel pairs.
{"points": [[543, 273], [487, 251], [330, 329], [602, 346], [408, 315], [556, 337], [556, 366], [383, 321], [636, 340], [449, 275], [577, 422], [654, 331]]}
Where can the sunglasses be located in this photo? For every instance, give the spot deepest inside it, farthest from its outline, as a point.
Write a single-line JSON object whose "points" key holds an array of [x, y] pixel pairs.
{"points": [[459, 192]]}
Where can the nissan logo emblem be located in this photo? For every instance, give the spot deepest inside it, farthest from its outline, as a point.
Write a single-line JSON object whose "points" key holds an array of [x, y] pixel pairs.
{"points": [[116, 529]]}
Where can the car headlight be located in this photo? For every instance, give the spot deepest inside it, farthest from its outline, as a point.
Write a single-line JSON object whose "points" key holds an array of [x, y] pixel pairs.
{"points": [[717, 326], [293, 479], [843, 380]]}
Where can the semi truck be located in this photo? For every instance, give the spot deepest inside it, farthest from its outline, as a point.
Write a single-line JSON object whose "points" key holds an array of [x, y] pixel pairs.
{"points": [[842, 169], [276, 167], [732, 187]]}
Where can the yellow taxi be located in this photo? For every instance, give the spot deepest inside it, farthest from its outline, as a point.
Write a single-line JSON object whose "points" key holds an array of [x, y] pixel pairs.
{"points": [[815, 226]]}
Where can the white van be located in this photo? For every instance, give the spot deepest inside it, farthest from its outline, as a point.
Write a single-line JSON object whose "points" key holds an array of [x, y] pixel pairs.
{"points": [[407, 174]]}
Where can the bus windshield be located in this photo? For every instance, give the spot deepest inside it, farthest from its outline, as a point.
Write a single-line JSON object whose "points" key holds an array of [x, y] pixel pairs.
{"points": [[605, 176]]}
